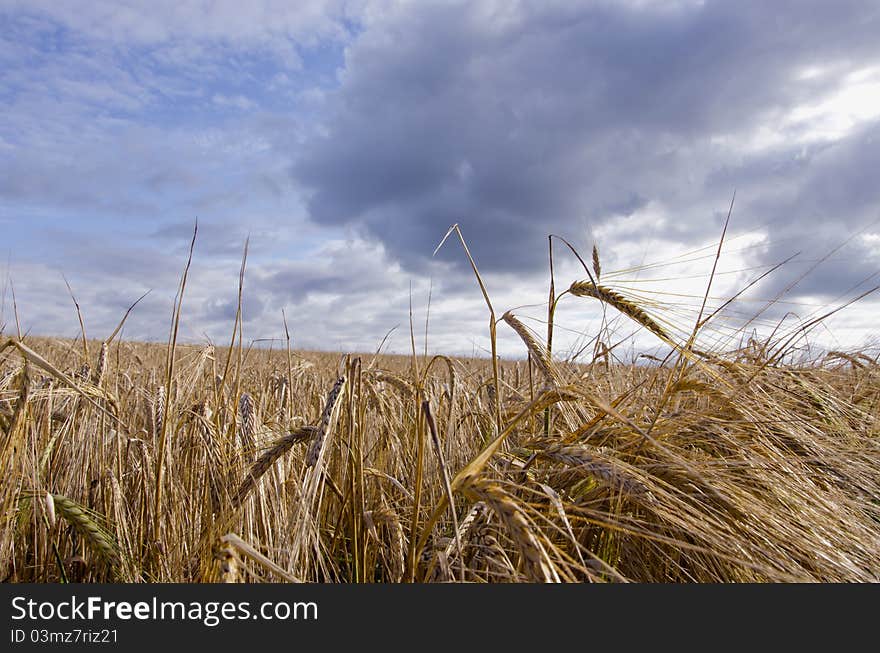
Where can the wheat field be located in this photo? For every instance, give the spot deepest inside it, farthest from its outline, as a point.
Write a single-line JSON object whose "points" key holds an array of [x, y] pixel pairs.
{"points": [[134, 462]]}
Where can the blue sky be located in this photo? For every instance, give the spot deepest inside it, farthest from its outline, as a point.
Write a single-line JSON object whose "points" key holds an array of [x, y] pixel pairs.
{"points": [[344, 138]]}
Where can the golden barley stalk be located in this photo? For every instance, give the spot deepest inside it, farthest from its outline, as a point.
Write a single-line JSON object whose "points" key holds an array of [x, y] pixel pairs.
{"points": [[254, 555], [591, 462], [852, 360], [536, 561], [203, 414], [264, 462], [618, 301], [539, 352], [469, 523], [205, 355], [21, 403], [102, 364], [84, 523], [318, 442], [158, 411], [392, 379], [248, 426], [597, 269]]}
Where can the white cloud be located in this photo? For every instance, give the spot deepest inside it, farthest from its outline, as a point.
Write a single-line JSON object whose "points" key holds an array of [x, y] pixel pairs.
{"points": [[235, 101], [854, 102]]}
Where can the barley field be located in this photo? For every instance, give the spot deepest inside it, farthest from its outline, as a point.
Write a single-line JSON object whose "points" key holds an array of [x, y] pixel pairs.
{"points": [[132, 462]]}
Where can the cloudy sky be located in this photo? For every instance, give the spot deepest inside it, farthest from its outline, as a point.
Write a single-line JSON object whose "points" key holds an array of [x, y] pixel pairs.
{"points": [[345, 138]]}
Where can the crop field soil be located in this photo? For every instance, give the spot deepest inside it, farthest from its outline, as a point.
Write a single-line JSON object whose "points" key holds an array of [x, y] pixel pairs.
{"points": [[133, 462]]}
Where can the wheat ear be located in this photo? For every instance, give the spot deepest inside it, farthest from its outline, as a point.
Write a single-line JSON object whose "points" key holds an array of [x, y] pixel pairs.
{"points": [[387, 516]]}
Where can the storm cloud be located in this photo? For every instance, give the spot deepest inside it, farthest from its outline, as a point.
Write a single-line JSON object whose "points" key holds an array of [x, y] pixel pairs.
{"points": [[518, 120]]}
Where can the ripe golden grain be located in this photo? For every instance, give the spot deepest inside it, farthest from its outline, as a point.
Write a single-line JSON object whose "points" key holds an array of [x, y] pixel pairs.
{"points": [[618, 301]]}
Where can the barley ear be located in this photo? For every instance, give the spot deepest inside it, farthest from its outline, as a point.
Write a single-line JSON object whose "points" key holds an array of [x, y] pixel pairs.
{"points": [[248, 420], [86, 524], [158, 411], [318, 442], [538, 351], [102, 365], [536, 561], [264, 462], [618, 301]]}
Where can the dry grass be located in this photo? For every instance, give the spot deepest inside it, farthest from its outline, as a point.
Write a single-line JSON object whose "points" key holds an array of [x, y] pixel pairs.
{"points": [[727, 468]]}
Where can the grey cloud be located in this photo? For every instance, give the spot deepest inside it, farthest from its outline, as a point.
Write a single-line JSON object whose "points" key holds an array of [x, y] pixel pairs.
{"points": [[815, 203], [811, 185], [843, 184], [346, 273], [218, 238], [252, 308], [561, 118], [346, 295], [45, 306]]}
